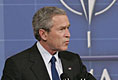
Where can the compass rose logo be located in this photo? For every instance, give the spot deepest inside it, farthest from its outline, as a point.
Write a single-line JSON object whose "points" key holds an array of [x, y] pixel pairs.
{"points": [[89, 14], [91, 4]]}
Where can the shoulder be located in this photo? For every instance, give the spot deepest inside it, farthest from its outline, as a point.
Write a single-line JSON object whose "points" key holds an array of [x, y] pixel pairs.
{"points": [[25, 53], [18, 59], [21, 57], [69, 55]]}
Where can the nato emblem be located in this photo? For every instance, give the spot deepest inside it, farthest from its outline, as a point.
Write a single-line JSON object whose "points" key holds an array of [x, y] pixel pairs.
{"points": [[91, 5]]}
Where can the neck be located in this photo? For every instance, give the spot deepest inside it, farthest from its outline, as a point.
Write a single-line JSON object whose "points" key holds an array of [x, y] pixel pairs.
{"points": [[51, 51]]}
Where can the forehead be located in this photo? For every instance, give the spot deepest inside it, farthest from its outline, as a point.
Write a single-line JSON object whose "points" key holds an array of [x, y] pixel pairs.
{"points": [[56, 17], [60, 20]]}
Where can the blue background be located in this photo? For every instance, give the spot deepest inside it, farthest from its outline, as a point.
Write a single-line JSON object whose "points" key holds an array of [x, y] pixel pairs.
{"points": [[16, 32]]}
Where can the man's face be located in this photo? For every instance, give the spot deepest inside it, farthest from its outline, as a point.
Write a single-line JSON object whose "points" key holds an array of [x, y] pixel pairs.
{"points": [[59, 35]]}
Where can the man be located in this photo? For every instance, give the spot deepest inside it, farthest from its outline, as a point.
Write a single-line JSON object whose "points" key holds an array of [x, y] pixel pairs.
{"points": [[51, 29]]}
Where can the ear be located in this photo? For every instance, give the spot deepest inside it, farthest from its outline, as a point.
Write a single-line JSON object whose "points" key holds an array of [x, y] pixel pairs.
{"points": [[43, 34]]}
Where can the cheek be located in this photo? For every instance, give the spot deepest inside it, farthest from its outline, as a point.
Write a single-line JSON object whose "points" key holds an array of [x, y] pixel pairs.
{"points": [[56, 40], [58, 43]]}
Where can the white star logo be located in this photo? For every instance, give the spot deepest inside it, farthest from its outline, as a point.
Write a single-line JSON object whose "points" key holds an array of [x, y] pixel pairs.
{"points": [[91, 4]]}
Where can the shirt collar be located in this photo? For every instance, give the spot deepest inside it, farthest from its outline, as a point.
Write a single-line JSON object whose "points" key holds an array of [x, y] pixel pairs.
{"points": [[45, 54]]}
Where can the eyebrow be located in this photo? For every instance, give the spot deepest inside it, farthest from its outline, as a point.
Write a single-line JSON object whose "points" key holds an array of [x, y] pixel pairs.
{"points": [[65, 26], [69, 25]]}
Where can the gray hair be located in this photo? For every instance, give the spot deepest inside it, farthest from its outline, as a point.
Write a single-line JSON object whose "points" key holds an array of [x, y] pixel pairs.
{"points": [[43, 19]]}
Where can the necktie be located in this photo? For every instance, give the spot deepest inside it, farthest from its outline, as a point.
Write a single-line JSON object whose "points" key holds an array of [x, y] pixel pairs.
{"points": [[55, 75]]}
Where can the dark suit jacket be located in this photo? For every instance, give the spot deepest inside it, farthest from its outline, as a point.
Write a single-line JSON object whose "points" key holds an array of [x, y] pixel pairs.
{"points": [[29, 65]]}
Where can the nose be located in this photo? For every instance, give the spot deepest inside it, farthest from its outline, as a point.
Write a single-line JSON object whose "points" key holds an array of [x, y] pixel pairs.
{"points": [[67, 33]]}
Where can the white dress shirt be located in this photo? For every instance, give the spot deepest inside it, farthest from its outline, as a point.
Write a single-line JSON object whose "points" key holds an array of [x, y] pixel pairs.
{"points": [[47, 57]]}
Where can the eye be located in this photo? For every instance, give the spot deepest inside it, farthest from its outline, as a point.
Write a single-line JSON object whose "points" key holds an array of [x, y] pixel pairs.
{"points": [[68, 26], [63, 28]]}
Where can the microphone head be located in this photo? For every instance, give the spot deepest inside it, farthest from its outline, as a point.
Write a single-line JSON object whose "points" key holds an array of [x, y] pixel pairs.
{"points": [[64, 76]]}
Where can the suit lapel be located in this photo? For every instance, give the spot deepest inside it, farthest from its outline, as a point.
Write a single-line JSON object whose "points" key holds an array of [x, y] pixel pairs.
{"points": [[66, 64], [38, 67]]}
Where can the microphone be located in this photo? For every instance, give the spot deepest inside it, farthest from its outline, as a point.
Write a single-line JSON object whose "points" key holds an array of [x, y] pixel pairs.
{"points": [[80, 77], [64, 76]]}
